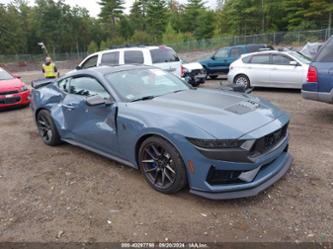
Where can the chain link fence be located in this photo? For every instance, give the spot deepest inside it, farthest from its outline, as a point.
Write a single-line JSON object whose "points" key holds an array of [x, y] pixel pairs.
{"points": [[289, 39], [280, 39]]}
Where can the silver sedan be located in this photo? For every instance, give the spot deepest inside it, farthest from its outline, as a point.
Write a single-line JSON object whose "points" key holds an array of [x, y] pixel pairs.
{"points": [[280, 69]]}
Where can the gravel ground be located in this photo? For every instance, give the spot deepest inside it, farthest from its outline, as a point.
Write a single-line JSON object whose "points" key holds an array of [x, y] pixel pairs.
{"points": [[67, 194]]}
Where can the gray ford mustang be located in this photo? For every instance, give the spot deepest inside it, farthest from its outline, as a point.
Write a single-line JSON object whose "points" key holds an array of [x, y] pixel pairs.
{"points": [[221, 144]]}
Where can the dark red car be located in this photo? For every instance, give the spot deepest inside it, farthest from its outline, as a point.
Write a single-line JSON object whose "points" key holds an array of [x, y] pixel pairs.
{"points": [[13, 92]]}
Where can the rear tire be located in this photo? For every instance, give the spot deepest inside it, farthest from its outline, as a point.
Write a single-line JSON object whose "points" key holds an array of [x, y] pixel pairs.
{"points": [[47, 129], [242, 80], [162, 165]]}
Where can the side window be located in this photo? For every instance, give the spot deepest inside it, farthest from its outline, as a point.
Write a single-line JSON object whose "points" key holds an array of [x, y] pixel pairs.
{"points": [[111, 58], [87, 86], [260, 59], [281, 59], [236, 52], [133, 57], [91, 62], [64, 84], [222, 53]]}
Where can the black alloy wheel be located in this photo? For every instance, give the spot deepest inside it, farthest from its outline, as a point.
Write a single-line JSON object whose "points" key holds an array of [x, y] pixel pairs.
{"points": [[161, 165], [47, 129]]}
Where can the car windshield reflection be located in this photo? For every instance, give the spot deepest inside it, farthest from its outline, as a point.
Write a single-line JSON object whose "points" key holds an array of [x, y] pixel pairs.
{"points": [[138, 84]]}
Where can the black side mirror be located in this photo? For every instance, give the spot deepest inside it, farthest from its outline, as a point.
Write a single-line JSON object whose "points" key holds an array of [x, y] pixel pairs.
{"points": [[78, 67], [213, 57]]}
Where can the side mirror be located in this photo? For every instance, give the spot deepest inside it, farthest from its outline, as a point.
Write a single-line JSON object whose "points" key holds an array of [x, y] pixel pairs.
{"points": [[95, 100], [293, 63], [213, 57], [78, 67]]}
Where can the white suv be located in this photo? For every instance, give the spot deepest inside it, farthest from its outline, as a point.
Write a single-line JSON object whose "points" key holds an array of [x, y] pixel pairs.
{"points": [[159, 56]]}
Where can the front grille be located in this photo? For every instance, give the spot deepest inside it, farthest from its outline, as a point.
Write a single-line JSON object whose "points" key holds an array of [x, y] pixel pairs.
{"points": [[9, 101], [9, 92], [223, 176], [269, 141], [196, 72]]}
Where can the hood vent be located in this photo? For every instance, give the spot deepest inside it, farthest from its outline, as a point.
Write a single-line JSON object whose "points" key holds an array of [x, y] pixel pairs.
{"points": [[243, 107]]}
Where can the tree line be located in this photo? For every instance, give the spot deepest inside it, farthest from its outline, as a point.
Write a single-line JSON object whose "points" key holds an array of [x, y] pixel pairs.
{"points": [[71, 29]]}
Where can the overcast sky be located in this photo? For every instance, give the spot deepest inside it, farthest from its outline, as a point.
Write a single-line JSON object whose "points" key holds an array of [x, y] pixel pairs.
{"points": [[94, 8]]}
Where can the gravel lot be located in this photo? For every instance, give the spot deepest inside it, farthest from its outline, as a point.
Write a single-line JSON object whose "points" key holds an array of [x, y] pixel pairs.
{"points": [[66, 194]]}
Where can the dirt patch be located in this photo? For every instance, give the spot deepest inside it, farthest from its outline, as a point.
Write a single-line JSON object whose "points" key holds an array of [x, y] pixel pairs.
{"points": [[65, 193]]}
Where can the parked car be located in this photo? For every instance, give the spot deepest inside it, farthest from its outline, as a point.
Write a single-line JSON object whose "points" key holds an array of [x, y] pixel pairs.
{"points": [[319, 83], [13, 92], [220, 61], [159, 56], [194, 73], [280, 69], [222, 145]]}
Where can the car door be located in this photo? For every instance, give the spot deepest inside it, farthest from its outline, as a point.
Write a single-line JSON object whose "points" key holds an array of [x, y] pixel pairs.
{"points": [[166, 59], [259, 69], [235, 53], [93, 126], [220, 61], [284, 74]]}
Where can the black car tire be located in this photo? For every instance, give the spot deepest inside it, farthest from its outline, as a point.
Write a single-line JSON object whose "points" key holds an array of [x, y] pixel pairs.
{"points": [[175, 172], [47, 129], [195, 84], [243, 80], [213, 77]]}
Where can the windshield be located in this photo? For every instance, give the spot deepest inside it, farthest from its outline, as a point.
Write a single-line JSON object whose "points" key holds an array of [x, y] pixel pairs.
{"points": [[4, 75], [136, 84], [302, 58]]}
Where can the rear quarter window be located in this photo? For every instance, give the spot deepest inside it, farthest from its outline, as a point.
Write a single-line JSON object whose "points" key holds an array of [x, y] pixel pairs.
{"points": [[326, 53], [162, 55], [246, 59]]}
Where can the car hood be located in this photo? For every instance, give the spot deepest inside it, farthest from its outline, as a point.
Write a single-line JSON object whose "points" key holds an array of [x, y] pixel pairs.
{"points": [[205, 61], [193, 66], [222, 114], [12, 84]]}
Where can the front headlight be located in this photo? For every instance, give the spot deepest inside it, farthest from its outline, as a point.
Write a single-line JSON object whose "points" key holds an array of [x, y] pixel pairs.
{"points": [[23, 88], [222, 143]]}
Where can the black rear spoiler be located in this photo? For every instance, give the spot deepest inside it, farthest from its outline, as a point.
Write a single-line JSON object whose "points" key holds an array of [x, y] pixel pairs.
{"points": [[41, 82]]}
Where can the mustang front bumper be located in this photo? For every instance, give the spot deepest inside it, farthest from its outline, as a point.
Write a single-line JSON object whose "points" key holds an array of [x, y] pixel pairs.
{"points": [[265, 178]]}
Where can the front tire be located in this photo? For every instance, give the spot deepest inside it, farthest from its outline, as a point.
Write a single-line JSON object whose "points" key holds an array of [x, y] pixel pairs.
{"points": [[47, 129], [162, 165]]}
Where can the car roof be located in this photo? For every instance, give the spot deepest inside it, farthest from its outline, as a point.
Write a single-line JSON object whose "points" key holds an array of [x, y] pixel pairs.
{"points": [[266, 52], [109, 69], [132, 48]]}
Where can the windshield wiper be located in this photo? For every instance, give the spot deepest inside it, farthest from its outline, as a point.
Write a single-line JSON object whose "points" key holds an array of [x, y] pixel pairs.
{"points": [[144, 98]]}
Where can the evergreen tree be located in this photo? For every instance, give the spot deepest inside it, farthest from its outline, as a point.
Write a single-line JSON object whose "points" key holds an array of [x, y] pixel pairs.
{"points": [[156, 18], [111, 11]]}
